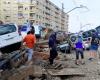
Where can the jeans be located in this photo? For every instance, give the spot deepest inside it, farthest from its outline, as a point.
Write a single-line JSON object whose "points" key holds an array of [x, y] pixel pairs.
{"points": [[29, 54], [79, 52]]}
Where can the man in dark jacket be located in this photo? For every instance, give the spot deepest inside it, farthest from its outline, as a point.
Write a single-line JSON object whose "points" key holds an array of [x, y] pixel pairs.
{"points": [[52, 46]]}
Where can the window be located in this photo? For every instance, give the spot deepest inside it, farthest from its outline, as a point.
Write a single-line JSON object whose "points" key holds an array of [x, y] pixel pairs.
{"points": [[8, 2], [5, 29], [47, 8], [37, 3], [20, 7], [37, 16], [30, 7], [32, 14], [6, 17], [20, 14], [4, 10], [26, 8]]}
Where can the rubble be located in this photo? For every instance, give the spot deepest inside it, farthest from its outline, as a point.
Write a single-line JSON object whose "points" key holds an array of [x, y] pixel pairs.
{"points": [[66, 72], [64, 68], [42, 55], [22, 73], [37, 71]]}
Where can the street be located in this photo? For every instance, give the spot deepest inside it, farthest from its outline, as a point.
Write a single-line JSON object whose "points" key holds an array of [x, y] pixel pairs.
{"points": [[46, 40], [64, 68], [91, 69]]}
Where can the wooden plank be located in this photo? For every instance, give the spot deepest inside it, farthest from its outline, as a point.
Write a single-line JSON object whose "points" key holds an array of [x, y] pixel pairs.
{"points": [[66, 72]]}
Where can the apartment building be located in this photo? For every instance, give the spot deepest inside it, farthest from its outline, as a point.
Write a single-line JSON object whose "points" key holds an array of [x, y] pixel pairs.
{"points": [[8, 11], [44, 12], [23, 11], [41, 12]]}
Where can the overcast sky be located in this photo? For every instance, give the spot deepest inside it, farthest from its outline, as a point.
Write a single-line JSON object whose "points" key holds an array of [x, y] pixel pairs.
{"points": [[81, 18]]}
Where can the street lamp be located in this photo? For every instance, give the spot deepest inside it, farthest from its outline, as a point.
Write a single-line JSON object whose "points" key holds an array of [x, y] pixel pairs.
{"points": [[81, 6]]}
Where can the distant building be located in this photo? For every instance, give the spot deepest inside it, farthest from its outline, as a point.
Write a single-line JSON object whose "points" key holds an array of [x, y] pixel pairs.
{"points": [[41, 12]]}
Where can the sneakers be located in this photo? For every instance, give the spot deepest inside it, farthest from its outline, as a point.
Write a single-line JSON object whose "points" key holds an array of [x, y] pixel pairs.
{"points": [[77, 62], [82, 62]]}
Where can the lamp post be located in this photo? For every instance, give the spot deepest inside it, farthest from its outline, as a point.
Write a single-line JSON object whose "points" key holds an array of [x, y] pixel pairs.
{"points": [[81, 6]]}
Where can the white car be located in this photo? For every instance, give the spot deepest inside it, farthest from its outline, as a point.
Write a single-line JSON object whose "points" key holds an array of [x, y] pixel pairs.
{"points": [[25, 29], [86, 43], [9, 35]]}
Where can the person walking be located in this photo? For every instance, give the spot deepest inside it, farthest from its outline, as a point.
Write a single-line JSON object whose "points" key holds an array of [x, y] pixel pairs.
{"points": [[29, 42], [94, 46], [52, 47], [79, 50], [99, 50]]}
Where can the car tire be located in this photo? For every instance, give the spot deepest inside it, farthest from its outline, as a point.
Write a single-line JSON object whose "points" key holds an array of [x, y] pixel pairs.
{"points": [[69, 51]]}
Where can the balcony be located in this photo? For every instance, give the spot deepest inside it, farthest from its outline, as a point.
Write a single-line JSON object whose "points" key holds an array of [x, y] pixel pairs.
{"points": [[32, 11], [20, 10], [32, 18], [20, 18], [33, 3]]}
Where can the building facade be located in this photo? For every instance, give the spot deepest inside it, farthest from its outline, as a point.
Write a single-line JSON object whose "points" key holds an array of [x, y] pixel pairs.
{"points": [[41, 12], [8, 11]]}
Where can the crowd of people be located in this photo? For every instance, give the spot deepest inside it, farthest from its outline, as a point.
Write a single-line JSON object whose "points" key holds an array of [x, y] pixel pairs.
{"points": [[94, 48], [30, 40]]}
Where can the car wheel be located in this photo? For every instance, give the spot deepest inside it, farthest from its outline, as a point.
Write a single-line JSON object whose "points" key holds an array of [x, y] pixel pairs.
{"points": [[69, 51]]}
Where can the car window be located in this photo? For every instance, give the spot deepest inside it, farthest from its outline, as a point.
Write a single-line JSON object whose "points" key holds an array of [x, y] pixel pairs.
{"points": [[5, 29], [37, 30], [24, 28], [98, 29], [84, 39], [73, 38]]}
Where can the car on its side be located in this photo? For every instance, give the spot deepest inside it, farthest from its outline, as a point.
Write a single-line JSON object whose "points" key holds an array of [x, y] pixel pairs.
{"points": [[9, 35]]}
